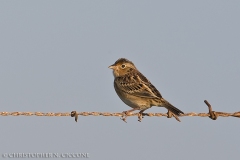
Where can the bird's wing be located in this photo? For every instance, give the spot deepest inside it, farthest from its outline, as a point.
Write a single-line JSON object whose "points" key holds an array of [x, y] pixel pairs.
{"points": [[138, 85]]}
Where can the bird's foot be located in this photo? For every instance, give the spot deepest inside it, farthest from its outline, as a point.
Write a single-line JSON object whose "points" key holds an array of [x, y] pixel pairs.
{"points": [[125, 115], [141, 115]]}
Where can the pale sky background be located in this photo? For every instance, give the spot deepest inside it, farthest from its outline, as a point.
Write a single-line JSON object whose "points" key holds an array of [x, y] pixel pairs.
{"points": [[54, 57]]}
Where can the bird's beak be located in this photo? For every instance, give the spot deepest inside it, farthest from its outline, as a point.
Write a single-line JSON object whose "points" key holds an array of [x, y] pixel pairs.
{"points": [[112, 66]]}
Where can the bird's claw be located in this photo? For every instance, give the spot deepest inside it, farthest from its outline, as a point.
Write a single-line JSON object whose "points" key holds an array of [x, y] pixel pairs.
{"points": [[124, 119], [140, 117], [124, 116]]}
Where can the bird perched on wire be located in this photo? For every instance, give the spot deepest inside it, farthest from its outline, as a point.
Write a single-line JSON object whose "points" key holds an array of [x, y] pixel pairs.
{"points": [[136, 91]]}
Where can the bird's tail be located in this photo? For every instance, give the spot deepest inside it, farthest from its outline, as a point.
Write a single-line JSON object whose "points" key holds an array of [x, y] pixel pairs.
{"points": [[170, 107]]}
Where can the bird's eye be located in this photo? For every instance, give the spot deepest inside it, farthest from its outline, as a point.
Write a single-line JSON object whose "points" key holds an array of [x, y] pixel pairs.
{"points": [[123, 65]]}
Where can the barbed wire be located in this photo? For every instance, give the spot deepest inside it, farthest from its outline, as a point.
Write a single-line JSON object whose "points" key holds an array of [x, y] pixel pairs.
{"points": [[211, 114]]}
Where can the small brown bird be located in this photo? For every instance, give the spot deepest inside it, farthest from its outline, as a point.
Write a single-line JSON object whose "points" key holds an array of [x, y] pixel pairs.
{"points": [[136, 91]]}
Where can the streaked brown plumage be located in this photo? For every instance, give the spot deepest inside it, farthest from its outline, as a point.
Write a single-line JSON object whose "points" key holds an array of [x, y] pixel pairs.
{"points": [[135, 90]]}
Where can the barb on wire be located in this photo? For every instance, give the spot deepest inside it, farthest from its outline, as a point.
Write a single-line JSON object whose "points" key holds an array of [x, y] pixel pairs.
{"points": [[211, 114]]}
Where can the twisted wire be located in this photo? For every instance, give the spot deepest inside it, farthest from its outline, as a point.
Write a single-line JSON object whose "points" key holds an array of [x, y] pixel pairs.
{"points": [[58, 114], [211, 114]]}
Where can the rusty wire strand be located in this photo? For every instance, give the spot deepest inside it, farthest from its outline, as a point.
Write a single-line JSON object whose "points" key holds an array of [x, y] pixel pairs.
{"points": [[212, 114], [51, 114]]}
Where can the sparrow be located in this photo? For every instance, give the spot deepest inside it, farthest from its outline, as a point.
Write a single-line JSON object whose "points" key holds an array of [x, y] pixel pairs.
{"points": [[136, 91]]}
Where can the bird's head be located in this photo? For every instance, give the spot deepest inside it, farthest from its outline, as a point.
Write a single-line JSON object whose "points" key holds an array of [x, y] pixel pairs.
{"points": [[122, 66]]}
